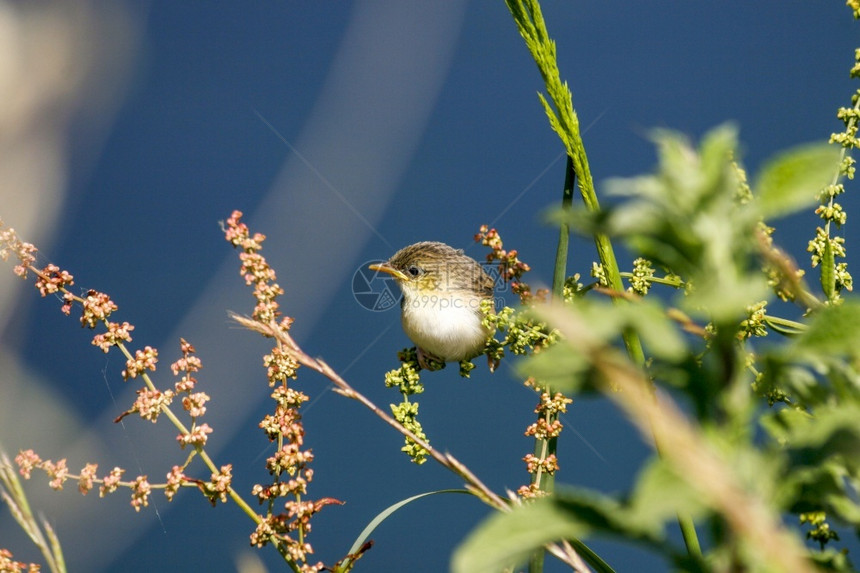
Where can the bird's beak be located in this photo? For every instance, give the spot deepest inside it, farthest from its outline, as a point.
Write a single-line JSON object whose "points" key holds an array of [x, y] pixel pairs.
{"points": [[386, 268]]}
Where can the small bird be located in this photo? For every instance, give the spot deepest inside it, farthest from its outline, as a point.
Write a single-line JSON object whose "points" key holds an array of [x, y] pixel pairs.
{"points": [[441, 307]]}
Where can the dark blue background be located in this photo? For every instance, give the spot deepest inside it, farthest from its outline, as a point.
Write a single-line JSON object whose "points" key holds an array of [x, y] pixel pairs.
{"points": [[258, 107]]}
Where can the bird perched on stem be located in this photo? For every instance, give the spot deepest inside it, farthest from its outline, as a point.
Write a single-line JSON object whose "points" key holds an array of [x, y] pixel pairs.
{"points": [[441, 306]]}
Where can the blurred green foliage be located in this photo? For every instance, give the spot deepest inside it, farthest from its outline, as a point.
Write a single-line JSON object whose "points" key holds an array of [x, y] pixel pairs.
{"points": [[784, 417]]}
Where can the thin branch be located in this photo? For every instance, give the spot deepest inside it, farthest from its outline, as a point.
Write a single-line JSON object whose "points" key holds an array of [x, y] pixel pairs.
{"points": [[563, 552]]}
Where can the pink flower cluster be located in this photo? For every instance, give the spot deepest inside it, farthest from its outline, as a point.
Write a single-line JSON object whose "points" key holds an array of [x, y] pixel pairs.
{"points": [[143, 360], [188, 365], [58, 472], [510, 266], [9, 565], [256, 270], [97, 307], [175, 479], [194, 403], [547, 427], [87, 478], [280, 366], [289, 464], [52, 279], [150, 403], [140, 490], [544, 430], [221, 481], [196, 438], [11, 244], [116, 334], [111, 482], [548, 465]]}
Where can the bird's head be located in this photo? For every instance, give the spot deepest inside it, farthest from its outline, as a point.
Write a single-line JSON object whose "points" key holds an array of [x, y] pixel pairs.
{"points": [[433, 267]]}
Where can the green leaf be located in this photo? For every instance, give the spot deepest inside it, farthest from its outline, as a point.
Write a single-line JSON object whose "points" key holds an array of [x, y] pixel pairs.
{"points": [[717, 150], [686, 218], [791, 181], [828, 270], [590, 557], [781, 424], [660, 495], [823, 460], [385, 514], [723, 298], [833, 330], [567, 369], [658, 333], [507, 539], [833, 433], [559, 366]]}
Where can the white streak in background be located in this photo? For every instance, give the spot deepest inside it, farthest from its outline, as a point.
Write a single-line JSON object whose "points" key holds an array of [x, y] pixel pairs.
{"points": [[362, 133], [62, 65], [60, 62], [325, 181]]}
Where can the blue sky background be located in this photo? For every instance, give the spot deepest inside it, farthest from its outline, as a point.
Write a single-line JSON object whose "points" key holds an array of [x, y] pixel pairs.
{"points": [[345, 131]]}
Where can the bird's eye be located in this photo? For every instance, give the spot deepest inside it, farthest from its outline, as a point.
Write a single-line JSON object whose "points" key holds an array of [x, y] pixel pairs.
{"points": [[414, 271]]}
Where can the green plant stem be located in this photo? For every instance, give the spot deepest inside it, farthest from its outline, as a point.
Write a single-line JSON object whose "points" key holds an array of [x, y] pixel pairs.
{"points": [[691, 538], [560, 270], [669, 280], [851, 125], [19, 506], [243, 505], [543, 447], [237, 499], [784, 326], [564, 121]]}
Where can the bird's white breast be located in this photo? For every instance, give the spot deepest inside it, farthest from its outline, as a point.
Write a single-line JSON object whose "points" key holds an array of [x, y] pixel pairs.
{"points": [[447, 326]]}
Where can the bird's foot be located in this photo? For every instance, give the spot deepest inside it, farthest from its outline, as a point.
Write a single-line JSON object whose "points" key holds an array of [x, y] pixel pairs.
{"points": [[492, 363], [429, 361]]}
